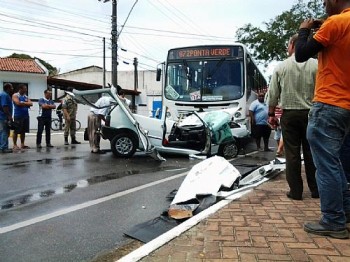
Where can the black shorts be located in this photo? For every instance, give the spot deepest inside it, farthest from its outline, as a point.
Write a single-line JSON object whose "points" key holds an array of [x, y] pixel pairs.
{"points": [[22, 124], [259, 131]]}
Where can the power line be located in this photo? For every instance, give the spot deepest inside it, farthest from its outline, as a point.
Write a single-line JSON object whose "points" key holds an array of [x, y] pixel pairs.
{"points": [[176, 32], [70, 12], [184, 16], [51, 26], [122, 27], [156, 7], [73, 31], [48, 53], [44, 35]]}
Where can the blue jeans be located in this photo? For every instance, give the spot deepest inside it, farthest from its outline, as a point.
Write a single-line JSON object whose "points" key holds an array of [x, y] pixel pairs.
{"points": [[328, 125], [4, 135], [345, 156]]}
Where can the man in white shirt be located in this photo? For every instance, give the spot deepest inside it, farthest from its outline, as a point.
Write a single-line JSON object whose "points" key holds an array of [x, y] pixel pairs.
{"points": [[94, 122], [124, 99]]}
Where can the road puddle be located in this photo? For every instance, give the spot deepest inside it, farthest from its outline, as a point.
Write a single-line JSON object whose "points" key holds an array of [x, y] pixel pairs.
{"points": [[82, 183]]}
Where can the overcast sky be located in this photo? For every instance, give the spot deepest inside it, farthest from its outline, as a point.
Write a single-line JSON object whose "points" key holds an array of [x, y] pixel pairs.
{"points": [[68, 33]]}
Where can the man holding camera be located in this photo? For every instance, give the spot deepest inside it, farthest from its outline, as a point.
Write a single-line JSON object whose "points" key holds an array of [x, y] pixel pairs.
{"points": [[329, 118], [5, 116]]}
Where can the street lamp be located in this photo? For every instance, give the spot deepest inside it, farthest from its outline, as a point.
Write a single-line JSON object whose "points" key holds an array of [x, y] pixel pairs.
{"points": [[114, 39]]}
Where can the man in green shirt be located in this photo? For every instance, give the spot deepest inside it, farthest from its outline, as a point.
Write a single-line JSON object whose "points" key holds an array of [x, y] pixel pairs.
{"points": [[292, 87]]}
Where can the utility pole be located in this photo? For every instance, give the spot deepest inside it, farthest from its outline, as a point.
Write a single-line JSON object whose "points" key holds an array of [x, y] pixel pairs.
{"points": [[136, 84], [104, 63], [114, 44], [114, 39]]}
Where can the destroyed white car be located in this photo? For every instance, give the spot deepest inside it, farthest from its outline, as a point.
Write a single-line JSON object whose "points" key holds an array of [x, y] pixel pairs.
{"points": [[207, 134]]}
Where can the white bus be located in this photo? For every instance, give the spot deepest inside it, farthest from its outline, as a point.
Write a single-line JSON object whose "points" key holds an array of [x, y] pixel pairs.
{"points": [[210, 77]]}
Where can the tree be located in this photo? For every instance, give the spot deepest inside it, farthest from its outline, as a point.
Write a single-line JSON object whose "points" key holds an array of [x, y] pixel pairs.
{"points": [[52, 70], [269, 44]]}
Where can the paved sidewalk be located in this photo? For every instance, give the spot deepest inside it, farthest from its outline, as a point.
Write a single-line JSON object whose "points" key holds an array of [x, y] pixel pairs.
{"points": [[263, 225]]}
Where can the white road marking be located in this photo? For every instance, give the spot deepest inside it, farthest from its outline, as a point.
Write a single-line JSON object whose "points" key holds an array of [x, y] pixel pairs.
{"points": [[68, 210]]}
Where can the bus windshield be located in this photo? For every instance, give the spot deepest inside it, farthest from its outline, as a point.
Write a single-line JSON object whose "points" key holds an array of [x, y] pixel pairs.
{"points": [[204, 80]]}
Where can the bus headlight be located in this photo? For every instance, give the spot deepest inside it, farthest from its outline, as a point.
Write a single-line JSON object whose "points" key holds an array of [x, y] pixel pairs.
{"points": [[238, 115]]}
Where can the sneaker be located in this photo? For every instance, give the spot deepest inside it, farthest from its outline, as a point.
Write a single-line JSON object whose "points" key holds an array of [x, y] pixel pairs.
{"points": [[38, 146], [7, 150], [98, 152], [75, 142], [49, 145], [318, 228], [289, 195]]}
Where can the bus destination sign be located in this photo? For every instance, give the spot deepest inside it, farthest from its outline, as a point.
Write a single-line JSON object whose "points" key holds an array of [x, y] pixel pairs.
{"points": [[205, 52]]}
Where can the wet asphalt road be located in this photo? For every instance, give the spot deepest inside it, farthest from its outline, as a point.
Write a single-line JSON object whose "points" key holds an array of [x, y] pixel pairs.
{"points": [[66, 204]]}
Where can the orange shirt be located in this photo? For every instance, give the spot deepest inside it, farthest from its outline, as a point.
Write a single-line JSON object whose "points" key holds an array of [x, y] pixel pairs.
{"points": [[333, 77]]}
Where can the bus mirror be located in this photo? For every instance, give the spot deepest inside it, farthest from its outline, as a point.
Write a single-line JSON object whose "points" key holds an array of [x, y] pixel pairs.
{"points": [[159, 73]]}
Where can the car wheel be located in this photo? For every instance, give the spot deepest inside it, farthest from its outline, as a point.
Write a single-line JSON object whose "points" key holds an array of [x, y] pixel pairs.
{"points": [[228, 150], [123, 145]]}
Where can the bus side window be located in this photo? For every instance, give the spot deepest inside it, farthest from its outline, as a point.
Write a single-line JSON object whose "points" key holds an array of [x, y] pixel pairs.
{"points": [[250, 76]]}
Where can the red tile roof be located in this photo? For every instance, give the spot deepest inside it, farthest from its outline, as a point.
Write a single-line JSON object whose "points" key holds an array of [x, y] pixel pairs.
{"points": [[20, 65]]}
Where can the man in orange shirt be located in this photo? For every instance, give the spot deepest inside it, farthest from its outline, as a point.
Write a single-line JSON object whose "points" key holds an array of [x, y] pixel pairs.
{"points": [[329, 117]]}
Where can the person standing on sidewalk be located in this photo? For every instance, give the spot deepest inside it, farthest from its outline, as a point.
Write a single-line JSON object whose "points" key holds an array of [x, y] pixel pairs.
{"points": [[70, 108], [278, 131], [44, 119], [258, 117], [6, 108], [292, 85], [329, 118], [21, 104]]}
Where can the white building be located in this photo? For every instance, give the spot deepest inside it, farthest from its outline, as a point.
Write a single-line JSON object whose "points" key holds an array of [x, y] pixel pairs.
{"points": [[147, 88]]}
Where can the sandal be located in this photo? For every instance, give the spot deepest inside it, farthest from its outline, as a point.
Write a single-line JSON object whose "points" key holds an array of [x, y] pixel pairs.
{"points": [[15, 148], [25, 147], [279, 154]]}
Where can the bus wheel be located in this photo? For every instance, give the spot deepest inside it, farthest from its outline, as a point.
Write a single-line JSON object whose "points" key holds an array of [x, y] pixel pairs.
{"points": [[228, 150], [123, 145]]}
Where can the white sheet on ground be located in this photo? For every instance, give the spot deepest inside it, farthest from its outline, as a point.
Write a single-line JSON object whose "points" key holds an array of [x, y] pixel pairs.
{"points": [[206, 178]]}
